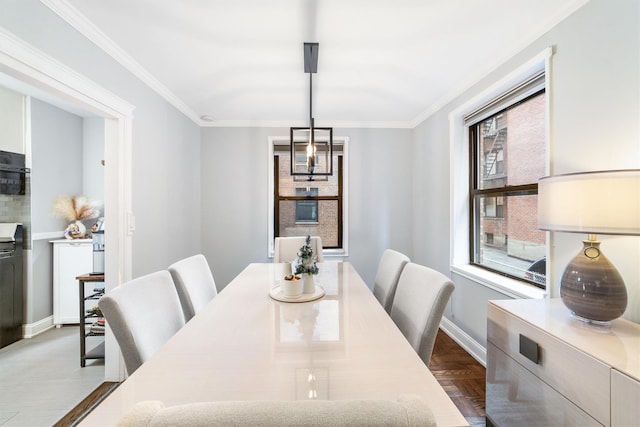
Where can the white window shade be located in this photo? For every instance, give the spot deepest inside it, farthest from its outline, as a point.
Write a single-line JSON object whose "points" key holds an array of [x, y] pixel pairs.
{"points": [[534, 83]]}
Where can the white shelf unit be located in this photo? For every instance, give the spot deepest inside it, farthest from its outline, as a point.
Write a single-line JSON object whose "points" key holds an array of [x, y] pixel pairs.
{"points": [[71, 258]]}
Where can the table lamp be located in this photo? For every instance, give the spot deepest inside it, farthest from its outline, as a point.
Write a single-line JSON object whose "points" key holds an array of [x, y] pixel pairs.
{"points": [[603, 202]]}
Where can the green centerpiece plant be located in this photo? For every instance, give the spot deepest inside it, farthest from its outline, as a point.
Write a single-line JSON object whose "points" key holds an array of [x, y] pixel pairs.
{"points": [[305, 264]]}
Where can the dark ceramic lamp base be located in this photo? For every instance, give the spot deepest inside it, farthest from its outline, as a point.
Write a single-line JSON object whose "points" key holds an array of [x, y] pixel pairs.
{"points": [[592, 288]]}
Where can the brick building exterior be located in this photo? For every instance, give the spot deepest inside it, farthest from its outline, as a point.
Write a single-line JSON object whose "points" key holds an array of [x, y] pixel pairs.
{"points": [[290, 221], [514, 153]]}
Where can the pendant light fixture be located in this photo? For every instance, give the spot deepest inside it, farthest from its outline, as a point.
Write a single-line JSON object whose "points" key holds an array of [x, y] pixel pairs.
{"points": [[311, 147]]}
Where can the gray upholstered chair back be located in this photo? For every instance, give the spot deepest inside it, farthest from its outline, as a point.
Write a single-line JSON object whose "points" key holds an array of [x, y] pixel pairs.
{"points": [[194, 283], [286, 248], [386, 281], [143, 314], [408, 410], [421, 297]]}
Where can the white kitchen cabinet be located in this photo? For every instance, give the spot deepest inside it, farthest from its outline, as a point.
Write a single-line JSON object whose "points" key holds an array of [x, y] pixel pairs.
{"points": [[71, 258], [546, 368]]}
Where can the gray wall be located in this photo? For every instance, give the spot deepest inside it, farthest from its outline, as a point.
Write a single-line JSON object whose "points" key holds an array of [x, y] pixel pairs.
{"points": [[57, 169], [92, 156], [595, 93], [166, 144], [235, 197], [56, 145], [380, 180]]}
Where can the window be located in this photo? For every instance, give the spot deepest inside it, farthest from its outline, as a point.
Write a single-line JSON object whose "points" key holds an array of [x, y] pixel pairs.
{"points": [[489, 102], [507, 148], [494, 207], [308, 205], [307, 210]]}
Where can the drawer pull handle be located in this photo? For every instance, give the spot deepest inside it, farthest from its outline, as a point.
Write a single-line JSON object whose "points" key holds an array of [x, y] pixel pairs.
{"points": [[529, 349]]}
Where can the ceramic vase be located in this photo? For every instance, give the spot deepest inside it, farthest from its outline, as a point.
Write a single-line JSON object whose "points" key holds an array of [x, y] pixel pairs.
{"points": [[75, 230], [592, 288], [82, 230], [291, 288], [309, 286]]}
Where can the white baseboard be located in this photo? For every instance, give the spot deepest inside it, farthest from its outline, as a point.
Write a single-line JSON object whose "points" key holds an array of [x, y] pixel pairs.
{"points": [[30, 330], [470, 345]]}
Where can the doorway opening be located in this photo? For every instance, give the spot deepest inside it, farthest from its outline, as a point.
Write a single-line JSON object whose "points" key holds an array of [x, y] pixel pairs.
{"points": [[40, 76]]}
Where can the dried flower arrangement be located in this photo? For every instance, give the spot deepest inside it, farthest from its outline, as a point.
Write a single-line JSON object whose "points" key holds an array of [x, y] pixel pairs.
{"points": [[74, 208]]}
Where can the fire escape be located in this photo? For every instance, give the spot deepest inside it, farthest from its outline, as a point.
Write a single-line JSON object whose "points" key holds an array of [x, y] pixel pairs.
{"points": [[495, 135], [494, 138]]}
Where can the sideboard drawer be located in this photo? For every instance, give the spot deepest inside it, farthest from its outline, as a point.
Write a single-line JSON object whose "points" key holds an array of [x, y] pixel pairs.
{"points": [[577, 376], [515, 396], [625, 398]]}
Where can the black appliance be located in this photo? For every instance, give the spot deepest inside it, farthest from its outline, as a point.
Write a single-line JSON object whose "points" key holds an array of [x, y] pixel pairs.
{"points": [[11, 286], [12, 173]]}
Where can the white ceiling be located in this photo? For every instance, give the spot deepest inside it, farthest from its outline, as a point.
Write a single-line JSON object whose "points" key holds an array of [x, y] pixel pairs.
{"points": [[382, 63]]}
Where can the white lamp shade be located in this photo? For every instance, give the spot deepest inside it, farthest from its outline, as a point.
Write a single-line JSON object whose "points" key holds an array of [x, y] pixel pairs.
{"points": [[606, 202]]}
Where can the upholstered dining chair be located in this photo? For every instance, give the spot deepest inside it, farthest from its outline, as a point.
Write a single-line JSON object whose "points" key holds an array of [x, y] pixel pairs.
{"points": [[421, 297], [194, 283], [389, 270], [143, 314], [286, 248], [407, 410]]}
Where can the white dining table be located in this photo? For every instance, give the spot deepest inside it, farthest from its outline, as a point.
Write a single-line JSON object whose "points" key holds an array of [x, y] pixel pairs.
{"points": [[244, 345]]}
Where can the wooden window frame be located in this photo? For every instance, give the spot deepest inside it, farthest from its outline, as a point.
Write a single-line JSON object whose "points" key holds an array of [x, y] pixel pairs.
{"points": [[277, 198], [475, 193]]}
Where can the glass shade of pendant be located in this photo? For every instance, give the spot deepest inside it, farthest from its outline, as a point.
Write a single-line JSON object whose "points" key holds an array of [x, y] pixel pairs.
{"points": [[591, 286]]}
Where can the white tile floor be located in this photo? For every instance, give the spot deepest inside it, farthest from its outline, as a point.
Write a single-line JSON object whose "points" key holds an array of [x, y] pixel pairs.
{"points": [[41, 378]]}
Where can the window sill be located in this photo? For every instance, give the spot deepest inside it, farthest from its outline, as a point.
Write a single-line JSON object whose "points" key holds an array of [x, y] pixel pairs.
{"points": [[334, 254], [505, 285]]}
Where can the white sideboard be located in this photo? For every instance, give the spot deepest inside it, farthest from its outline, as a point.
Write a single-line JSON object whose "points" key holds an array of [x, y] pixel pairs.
{"points": [[546, 368], [71, 258]]}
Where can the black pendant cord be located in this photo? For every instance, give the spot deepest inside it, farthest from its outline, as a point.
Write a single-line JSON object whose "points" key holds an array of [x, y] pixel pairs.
{"points": [[311, 98], [312, 138]]}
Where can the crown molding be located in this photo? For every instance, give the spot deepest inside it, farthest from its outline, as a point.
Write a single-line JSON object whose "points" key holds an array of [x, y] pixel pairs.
{"points": [[78, 21], [298, 123], [34, 66]]}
